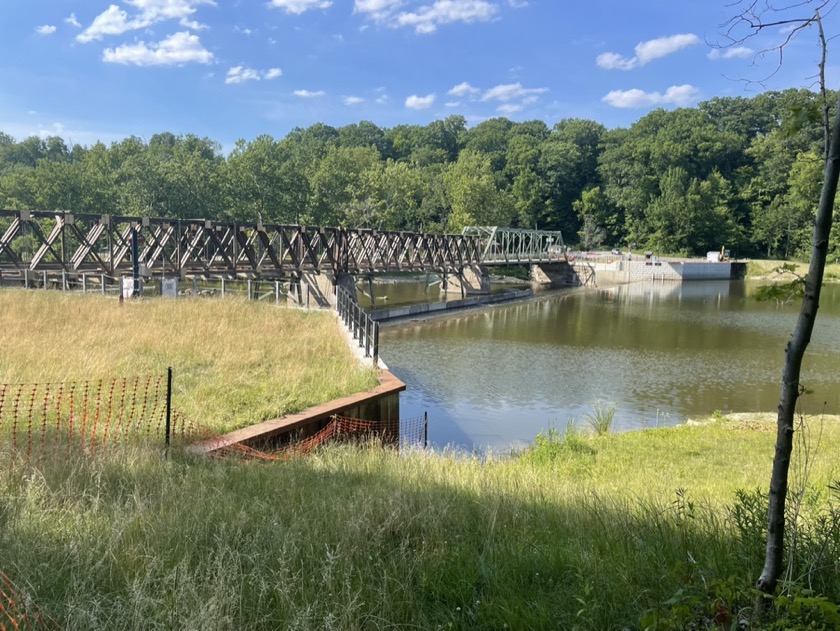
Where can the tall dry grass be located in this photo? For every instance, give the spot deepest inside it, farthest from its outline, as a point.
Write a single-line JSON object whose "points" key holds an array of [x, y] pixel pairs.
{"points": [[234, 362]]}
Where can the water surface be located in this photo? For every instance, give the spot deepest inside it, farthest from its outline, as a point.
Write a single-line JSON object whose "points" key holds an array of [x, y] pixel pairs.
{"points": [[661, 352]]}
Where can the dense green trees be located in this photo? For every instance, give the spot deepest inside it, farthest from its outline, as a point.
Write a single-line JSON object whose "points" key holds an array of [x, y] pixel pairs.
{"points": [[735, 172]]}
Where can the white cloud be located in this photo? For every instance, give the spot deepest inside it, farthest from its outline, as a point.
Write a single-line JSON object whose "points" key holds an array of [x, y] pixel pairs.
{"points": [[115, 21], [46, 29], [453, 104], [306, 94], [463, 89], [180, 48], [428, 17], [518, 4], [739, 52], [241, 74], [680, 95], [614, 61], [647, 52], [297, 7], [352, 100], [509, 108], [112, 21], [415, 102], [72, 21], [512, 91], [664, 46]]}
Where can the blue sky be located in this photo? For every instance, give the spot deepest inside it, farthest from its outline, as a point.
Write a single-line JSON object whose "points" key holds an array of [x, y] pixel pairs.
{"points": [[91, 70]]}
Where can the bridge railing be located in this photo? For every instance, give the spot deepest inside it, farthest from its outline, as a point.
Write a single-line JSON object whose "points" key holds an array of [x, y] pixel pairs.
{"points": [[363, 328]]}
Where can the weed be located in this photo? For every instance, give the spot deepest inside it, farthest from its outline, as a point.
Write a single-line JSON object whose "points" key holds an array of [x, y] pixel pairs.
{"points": [[602, 417]]}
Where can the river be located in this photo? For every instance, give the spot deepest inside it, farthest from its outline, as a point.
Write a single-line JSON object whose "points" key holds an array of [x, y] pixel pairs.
{"points": [[660, 352]]}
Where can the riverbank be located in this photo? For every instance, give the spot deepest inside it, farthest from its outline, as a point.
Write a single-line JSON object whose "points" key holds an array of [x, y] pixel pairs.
{"points": [[659, 529], [768, 270], [235, 362]]}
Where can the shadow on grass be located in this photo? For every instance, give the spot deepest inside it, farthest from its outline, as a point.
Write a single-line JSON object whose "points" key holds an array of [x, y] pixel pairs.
{"points": [[346, 538]]}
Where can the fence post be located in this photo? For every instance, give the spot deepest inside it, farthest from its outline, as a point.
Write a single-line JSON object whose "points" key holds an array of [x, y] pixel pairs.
{"points": [[26, 278], [276, 292], [84, 283], [102, 281], [45, 279], [168, 409], [223, 286], [375, 343], [425, 430], [249, 290]]}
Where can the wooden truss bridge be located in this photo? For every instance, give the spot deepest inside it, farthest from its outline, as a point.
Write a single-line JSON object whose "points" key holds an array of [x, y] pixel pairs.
{"points": [[53, 243]]}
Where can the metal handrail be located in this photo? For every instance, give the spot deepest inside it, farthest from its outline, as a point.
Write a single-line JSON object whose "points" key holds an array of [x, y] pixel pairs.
{"points": [[363, 328]]}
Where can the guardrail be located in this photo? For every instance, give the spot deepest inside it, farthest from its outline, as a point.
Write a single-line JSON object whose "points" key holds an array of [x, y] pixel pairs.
{"points": [[363, 328]]}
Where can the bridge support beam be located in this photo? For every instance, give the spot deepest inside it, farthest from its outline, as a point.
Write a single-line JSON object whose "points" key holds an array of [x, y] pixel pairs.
{"points": [[318, 290], [471, 280], [561, 274]]}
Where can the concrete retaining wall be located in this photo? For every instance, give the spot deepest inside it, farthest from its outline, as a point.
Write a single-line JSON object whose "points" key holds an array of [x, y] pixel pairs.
{"points": [[394, 313], [635, 271]]}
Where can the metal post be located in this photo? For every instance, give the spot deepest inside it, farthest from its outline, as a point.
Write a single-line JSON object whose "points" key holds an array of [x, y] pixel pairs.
{"points": [[102, 281], [45, 279], [84, 283], [168, 409], [277, 292], [425, 430], [249, 289], [223, 286], [63, 275], [26, 278], [135, 264], [376, 343], [307, 295]]}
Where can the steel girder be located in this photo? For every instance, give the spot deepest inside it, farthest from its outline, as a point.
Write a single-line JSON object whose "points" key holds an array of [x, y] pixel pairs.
{"points": [[502, 246], [71, 243]]}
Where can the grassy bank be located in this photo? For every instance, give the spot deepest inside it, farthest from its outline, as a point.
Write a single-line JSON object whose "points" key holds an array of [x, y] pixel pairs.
{"points": [[621, 531], [767, 270], [234, 362]]}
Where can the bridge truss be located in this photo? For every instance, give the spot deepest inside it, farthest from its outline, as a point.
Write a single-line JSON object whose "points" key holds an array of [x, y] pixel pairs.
{"points": [[39, 241], [512, 246]]}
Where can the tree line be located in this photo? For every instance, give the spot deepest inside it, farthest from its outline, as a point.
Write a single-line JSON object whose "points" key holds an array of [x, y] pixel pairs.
{"points": [[744, 173]]}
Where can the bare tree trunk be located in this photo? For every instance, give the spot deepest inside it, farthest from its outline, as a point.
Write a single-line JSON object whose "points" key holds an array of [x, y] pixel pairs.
{"points": [[793, 363]]}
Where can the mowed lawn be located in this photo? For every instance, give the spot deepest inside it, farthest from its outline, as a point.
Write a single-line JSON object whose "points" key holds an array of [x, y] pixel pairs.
{"points": [[234, 362]]}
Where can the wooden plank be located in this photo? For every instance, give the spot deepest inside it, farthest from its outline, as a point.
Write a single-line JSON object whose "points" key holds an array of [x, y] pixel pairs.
{"points": [[388, 385]]}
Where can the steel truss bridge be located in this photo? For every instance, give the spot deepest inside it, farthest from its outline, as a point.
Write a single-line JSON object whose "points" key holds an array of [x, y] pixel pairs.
{"points": [[63, 243]]}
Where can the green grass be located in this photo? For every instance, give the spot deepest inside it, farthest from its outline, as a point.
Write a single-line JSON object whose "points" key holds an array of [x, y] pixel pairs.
{"points": [[767, 270], [581, 533], [234, 362]]}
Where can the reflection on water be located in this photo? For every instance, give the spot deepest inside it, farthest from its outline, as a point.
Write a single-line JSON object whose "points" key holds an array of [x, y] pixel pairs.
{"points": [[660, 351]]}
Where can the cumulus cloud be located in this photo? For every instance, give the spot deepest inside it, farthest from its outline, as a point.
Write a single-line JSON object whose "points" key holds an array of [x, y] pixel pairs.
{"points": [[241, 74], [680, 95], [738, 52], [296, 7], [426, 18], [512, 91], [647, 52], [415, 102], [510, 108], [116, 21], [306, 94], [180, 48], [614, 61], [272, 73], [352, 100], [46, 29], [462, 90], [72, 21]]}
